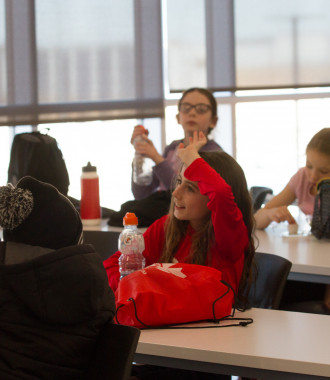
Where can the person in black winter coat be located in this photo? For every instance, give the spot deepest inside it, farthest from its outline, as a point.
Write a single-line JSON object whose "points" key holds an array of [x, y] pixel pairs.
{"points": [[54, 292]]}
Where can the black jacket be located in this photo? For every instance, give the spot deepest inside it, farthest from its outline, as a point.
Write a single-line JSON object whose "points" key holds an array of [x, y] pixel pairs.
{"points": [[53, 305]]}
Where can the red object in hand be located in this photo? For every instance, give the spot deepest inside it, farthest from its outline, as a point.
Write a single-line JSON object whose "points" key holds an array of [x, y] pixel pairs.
{"points": [[145, 130]]}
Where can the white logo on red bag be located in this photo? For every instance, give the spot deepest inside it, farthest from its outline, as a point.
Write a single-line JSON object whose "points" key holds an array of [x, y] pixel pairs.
{"points": [[168, 268]]}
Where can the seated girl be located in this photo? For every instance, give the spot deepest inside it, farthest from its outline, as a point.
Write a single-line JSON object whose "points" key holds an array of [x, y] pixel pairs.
{"points": [[210, 223], [210, 220]]}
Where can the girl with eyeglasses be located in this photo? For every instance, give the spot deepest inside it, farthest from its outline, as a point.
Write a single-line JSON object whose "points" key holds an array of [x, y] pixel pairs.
{"points": [[197, 111]]}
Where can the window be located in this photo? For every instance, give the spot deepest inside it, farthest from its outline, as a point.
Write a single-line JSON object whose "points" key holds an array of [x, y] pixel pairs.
{"points": [[3, 81], [82, 61], [272, 137], [186, 44], [282, 43], [85, 51], [6, 139], [90, 71], [106, 144]]}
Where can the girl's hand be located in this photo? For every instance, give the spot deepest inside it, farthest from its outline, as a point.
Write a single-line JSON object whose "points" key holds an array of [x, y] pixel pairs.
{"points": [[190, 153], [280, 214], [147, 149], [138, 130]]}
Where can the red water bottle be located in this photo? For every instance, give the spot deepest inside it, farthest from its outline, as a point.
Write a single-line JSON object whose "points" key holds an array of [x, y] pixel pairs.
{"points": [[90, 210]]}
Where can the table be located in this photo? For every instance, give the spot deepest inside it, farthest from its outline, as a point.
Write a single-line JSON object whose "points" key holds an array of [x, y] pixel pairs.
{"points": [[103, 226], [278, 345], [310, 257]]}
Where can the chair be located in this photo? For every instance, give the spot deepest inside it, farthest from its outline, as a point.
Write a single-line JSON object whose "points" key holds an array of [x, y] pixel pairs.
{"points": [[271, 274], [258, 194], [104, 242], [114, 353]]}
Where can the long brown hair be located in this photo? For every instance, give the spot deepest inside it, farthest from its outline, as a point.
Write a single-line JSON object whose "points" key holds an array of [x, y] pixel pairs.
{"points": [[203, 239]]}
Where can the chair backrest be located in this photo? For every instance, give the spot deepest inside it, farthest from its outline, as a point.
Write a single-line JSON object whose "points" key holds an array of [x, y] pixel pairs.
{"points": [[114, 353], [104, 242], [37, 155], [271, 274], [258, 195]]}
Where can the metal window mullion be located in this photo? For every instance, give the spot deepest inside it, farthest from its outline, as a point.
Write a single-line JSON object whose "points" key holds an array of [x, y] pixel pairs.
{"points": [[149, 76], [21, 53], [220, 51], [148, 49], [220, 44]]}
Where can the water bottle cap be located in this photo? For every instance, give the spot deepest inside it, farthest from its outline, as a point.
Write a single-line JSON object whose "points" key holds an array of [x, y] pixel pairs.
{"points": [[130, 219], [89, 168], [142, 126]]}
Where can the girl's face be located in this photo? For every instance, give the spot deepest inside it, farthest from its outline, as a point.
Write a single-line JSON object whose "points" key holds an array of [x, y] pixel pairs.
{"points": [[318, 165], [189, 203], [191, 120]]}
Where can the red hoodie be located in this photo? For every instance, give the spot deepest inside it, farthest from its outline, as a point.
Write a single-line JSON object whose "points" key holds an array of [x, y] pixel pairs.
{"points": [[231, 236]]}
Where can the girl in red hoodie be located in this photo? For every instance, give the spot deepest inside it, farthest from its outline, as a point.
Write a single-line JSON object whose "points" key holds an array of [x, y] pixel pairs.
{"points": [[210, 222]]}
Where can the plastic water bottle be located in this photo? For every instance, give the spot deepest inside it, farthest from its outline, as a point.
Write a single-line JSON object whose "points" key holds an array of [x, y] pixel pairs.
{"points": [[131, 246], [142, 166], [90, 210]]}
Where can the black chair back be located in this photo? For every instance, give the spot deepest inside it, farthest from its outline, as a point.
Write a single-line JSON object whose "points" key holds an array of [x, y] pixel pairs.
{"points": [[258, 195], [271, 275], [114, 353], [104, 242]]}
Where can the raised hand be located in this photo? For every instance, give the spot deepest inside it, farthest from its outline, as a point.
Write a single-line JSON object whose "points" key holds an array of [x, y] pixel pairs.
{"points": [[189, 153], [138, 131]]}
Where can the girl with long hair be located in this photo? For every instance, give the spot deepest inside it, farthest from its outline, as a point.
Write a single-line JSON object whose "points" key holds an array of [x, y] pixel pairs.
{"points": [[210, 223]]}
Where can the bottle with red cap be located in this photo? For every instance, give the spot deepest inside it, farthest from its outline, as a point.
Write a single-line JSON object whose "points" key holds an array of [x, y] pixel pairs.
{"points": [[131, 246], [90, 210], [142, 166]]}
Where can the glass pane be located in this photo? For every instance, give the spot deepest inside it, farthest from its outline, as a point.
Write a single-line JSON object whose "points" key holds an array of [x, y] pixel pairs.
{"points": [[6, 140], [272, 138], [266, 138], [174, 130], [223, 132], [106, 144], [282, 43], [186, 44], [85, 50], [3, 76]]}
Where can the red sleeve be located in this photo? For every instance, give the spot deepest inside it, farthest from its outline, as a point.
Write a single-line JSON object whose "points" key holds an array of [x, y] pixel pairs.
{"points": [[154, 238], [112, 268], [229, 228]]}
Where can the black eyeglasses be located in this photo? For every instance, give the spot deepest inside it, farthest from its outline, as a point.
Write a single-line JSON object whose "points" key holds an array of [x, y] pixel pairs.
{"points": [[200, 108]]}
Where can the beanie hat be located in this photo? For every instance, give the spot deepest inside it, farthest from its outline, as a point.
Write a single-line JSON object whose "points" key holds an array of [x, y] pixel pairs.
{"points": [[36, 213]]}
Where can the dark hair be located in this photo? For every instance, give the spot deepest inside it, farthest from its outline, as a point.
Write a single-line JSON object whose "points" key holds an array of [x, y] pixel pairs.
{"points": [[209, 95], [233, 174], [205, 92], [320, 142]]}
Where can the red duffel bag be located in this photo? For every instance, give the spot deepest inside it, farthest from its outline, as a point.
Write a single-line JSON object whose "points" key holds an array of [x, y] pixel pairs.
{"points": [[167, 294]]}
